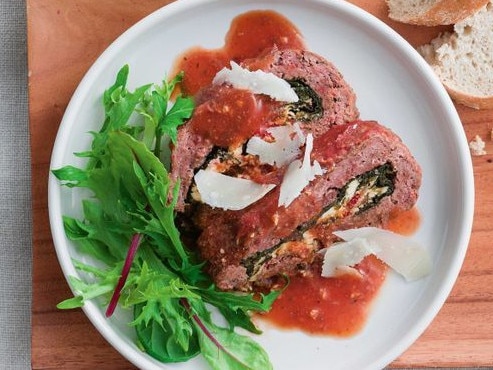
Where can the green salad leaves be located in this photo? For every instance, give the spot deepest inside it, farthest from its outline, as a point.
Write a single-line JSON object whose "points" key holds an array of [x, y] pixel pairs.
{"points": [[128, 227]]}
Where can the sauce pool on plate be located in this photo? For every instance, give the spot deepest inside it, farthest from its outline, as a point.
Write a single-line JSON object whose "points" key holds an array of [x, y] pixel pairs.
{"points": [[336, 306], [249, 35], [329, 306]]}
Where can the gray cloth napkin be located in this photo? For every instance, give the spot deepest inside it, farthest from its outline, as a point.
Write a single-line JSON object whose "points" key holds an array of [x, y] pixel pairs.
{"points": [[15, 185]]}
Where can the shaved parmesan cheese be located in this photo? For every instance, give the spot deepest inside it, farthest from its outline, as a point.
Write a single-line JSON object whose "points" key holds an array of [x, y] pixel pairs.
{"points": [[404, 255], [285, 148], [298, 175], [226, 192], [258, 82], [341, 257]]}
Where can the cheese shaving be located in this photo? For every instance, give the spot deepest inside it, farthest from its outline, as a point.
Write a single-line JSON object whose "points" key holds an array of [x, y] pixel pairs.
{"points": [[258, 82], [341, 258], [404, 255], [298, 175], [282, 150], [226, 192]]}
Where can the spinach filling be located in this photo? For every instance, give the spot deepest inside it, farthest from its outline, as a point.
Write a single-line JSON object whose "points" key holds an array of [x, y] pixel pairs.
{"points": [[309, 106], [359, 194], [219, 154]]}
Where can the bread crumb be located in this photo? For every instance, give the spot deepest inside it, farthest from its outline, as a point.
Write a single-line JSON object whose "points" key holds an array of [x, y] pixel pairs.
{"points": [[477, 146]]}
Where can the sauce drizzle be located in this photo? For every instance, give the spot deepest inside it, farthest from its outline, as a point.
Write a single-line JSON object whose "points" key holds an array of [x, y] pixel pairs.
{"points": [[329, 306], [250, 34]]}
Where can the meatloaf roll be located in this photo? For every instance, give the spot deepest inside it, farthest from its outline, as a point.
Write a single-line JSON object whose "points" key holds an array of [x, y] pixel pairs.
{"points": [[368, 173], [225, 118]]}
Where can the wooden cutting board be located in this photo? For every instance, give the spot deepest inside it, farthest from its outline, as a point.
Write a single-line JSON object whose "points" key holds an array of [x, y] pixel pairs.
{"points": [[64, 39]]}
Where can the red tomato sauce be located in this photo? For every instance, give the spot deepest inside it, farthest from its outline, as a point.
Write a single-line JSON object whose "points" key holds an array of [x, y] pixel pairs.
{"points": [[336, 306], [199, 67], [332, 306], [253, 32], [235, 115], [404, 222], [228, 119], [249, 35], [232, 116]]}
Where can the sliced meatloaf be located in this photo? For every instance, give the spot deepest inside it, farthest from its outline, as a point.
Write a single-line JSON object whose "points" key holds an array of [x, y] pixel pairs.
{"points": [[325, 99], [369, 173]]}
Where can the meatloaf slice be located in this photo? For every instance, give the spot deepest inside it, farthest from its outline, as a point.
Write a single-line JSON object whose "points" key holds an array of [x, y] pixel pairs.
{"points": [[369, 173], [325, 99]]}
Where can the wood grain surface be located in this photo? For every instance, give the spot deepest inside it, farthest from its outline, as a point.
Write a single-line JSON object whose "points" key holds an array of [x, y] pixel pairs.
{"points": [[64, 39]]}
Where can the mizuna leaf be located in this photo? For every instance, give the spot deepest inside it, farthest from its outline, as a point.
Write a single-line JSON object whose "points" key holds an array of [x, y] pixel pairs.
{"points": [[226, 349]]}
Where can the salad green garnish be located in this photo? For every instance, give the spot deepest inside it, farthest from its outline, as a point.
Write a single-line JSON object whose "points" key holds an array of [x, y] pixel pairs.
{"points": [[128, 227]]}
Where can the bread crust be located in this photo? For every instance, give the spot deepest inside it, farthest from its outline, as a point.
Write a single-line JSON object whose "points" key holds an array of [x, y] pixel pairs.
{"points": [[457, 57], [472, 101], [443, 12]]}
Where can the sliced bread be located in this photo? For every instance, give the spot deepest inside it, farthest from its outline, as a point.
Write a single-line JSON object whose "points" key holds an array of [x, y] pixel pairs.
{"points": [[463, 59], [432, 12]]}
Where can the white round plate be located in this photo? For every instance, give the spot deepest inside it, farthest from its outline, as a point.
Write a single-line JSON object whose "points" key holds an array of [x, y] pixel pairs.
{"points": [[393, 86]]}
